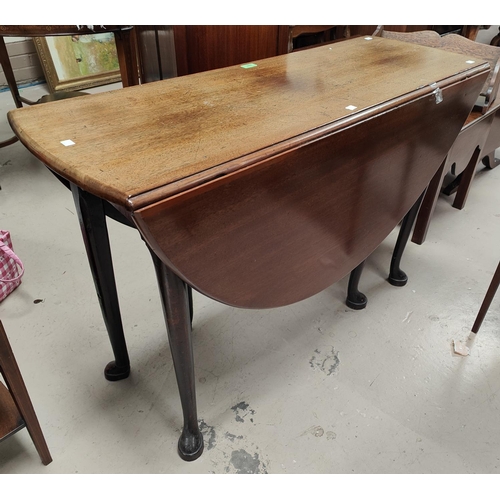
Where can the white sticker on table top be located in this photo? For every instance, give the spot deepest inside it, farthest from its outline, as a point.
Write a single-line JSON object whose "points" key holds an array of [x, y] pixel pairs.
{"points": [[470, 61], [368, 38], [67, 142], [351, 107]]}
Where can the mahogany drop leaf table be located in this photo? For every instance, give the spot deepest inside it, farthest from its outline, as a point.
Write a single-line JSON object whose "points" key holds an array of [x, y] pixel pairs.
{"points": [[258, 185]]}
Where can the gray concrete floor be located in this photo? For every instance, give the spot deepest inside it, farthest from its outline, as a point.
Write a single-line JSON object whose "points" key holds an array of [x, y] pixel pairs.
{"points": [[310, 388]]}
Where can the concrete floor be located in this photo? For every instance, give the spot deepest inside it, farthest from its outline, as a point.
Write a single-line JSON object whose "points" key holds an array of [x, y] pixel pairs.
{"points": [[310, 388]]}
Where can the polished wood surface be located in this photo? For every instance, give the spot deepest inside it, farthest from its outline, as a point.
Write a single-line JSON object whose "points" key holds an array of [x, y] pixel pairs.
{"points": [[190, 156], [262, 185], [459, 45], [249, 213], [135, 145], [156, 52], [202, 48]]}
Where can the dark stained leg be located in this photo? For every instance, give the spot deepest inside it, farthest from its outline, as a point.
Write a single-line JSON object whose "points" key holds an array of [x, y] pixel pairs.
{"points": [[91, 214], [191, 309], [356, 299], [175, 295], [397, 277], [466, 181], [452, 187], [15, 383], [8, 142], [428, 205], [495, 282]]}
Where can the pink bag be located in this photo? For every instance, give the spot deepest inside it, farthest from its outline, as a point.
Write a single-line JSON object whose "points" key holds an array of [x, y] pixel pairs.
{"points": [[10, 277]]}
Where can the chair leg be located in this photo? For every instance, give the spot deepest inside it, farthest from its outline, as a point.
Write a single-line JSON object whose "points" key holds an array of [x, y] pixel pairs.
{"points": [[428, 205], [466, 181], [15, 384], [495, 282], [490, 161], [452, 187]]}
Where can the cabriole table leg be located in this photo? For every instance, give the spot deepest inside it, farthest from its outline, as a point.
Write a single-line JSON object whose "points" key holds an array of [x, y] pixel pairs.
{"points": [[176, 307], [92, 219], [397, 277], [356, 299]]}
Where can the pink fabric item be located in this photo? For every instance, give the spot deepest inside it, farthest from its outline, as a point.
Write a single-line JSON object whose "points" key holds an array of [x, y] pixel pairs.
{"points": [[10, 276]]}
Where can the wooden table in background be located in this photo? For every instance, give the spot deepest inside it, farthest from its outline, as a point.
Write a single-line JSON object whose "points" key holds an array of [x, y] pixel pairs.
{"points": [[258, 185]]}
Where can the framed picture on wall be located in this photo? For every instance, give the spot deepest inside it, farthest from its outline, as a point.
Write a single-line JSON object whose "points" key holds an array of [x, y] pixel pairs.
{"points": [[75, 62]]}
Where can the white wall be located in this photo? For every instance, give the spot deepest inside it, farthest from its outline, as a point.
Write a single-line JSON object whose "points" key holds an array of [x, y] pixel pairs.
{"points": [[485, 36], [10, 39]]}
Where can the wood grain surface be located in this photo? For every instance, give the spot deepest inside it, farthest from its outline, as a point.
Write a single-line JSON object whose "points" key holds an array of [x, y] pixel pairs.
{"points": [[10, 418], [288, 227], [134, 142]]}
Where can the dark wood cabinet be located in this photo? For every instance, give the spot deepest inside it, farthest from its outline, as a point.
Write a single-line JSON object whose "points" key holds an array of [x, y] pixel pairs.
{"points": [[202, 48], [167, 51]]}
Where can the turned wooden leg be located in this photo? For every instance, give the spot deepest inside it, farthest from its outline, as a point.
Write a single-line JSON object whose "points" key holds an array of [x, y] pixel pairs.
{"points": [[91, 214], [495, 282], [356, 299], [466, 181], [15, 383], [428, 205], [397, 277], [175, 295]]}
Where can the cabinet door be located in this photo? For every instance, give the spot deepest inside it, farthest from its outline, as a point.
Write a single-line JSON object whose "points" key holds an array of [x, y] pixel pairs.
{"points": [[202, 48]]}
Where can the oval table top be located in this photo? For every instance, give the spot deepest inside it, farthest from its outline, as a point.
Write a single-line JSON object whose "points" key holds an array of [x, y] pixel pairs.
{"points": [[134, 146]]}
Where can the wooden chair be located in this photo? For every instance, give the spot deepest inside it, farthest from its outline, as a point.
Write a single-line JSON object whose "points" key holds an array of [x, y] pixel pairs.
{"points": [[125, 47], [493, 141], [16, 410], [479, 136]]}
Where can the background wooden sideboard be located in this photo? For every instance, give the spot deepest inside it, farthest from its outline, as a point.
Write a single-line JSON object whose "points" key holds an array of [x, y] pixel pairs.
{"points": [[166, 51]]}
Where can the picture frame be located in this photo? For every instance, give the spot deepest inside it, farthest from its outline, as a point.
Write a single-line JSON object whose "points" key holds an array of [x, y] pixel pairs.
{"points": [[76, 62]]}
